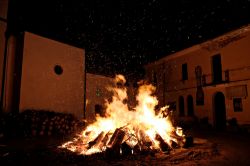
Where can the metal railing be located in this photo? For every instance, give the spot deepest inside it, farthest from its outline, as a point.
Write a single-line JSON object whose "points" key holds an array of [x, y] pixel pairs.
{"points": [[227, 76]]}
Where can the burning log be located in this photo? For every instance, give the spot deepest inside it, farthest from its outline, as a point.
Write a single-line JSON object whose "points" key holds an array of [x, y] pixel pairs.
{"points": [[144, 141], [163, 145], [143, 129], [136, 149], [131, 140], [178, 140], [116, 139], [126, 149], [106, 139], [97, 140], [114, 145]]}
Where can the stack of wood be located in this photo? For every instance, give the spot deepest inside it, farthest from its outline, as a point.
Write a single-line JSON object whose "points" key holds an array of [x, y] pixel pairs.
{"points": [[47, 123], [2, 127], [9, 125], [119, 143]]}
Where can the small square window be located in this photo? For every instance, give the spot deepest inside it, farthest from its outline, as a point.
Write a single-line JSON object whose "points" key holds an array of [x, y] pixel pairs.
{"points": [[237, 102]]}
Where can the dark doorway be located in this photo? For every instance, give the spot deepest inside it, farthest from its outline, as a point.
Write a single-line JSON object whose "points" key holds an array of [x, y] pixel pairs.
{"points": [[181, 106], [219, 111], [190, 105], [217, 69], [99, 110]]}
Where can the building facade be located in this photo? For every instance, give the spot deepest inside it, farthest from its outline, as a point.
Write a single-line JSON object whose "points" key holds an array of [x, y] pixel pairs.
{"points": [[44, 74], [208, 80], [39, 73], [98, 94], [52, 76]]}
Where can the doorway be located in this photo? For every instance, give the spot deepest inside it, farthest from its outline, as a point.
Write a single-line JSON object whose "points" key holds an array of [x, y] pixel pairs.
{"points": [[99, 110], [219, 111]]}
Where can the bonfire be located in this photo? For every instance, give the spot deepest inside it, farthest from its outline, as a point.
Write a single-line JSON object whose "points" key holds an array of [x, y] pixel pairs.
{"points": [[142, 128]]}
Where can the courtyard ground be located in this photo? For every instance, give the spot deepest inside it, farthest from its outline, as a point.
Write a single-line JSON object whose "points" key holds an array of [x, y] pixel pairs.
{"points": [[211, 148]]}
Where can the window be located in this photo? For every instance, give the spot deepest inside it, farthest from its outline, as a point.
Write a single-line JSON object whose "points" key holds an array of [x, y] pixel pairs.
{"points": [[190, 105], [216, 69], [237, 102], [58, 69], [184, 71]]}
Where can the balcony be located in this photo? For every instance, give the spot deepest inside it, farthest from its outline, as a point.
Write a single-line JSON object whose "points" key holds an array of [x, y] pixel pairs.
{"points": [[227, 76]]}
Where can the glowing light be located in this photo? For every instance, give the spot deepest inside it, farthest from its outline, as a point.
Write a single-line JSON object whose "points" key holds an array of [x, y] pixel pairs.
{"points": [[141, 124]]}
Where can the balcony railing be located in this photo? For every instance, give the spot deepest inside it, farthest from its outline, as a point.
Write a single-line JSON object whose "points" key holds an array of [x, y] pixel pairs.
{"points": [[227, 76]]}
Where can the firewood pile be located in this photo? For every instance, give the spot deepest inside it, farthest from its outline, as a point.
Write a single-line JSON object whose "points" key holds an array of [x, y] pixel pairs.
{"points": [[121, 142], [147, 127], [37, 123], [2, 126], [47, 123], [9, 125]]}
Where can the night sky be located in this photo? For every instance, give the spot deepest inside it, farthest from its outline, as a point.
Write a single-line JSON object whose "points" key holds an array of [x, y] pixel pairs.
{"points": [[121, 35]]}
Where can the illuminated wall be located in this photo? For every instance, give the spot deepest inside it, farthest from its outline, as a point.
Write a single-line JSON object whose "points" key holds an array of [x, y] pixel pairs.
{"points": [[97, 93], [52, 76], [234, 48]]}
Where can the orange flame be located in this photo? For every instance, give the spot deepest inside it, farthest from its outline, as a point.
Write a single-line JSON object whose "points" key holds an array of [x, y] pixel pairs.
{"points": [[141, 124]]}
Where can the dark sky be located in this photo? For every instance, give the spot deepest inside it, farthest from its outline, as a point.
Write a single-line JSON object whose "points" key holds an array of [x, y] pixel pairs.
{"points": [[121, 35]]}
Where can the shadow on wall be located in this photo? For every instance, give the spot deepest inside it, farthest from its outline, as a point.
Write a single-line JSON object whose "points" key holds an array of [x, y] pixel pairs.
{"points": [[99, 110]]}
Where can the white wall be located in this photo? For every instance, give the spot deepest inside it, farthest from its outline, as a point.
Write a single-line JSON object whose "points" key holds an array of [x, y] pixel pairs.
{"points": [[41, 87], [97, 93], [234, 48]]}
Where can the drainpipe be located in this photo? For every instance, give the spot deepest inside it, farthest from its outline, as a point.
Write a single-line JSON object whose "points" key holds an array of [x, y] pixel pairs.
{"points": [[7, 36]]}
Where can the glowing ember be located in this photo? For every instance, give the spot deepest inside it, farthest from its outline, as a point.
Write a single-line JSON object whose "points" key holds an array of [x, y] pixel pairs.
{"points": [[141, 127]]}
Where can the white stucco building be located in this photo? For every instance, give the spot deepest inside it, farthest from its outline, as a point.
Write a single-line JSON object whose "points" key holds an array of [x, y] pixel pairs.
{"points": [[208, 80], [39, 73]]}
